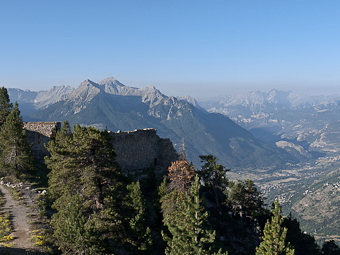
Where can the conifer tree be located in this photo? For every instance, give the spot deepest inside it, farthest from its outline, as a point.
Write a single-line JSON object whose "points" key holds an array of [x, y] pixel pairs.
{"points": [[75, 235], [16, 156], [5, 105], [214, 178], [140, 235], [181, 174], [60, 152], [187, 224], [213, 173], [244, 199], [274, 238], [83, 164], [302, 242]]}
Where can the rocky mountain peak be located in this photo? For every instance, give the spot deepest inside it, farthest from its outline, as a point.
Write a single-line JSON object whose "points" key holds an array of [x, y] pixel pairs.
{"points": [[109, 79], [85, 91], [87, 83]]}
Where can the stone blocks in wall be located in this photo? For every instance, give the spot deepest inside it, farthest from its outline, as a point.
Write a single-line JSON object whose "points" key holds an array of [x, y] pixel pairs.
{"points": [[38, 135], [143, 149], [136, 150]]}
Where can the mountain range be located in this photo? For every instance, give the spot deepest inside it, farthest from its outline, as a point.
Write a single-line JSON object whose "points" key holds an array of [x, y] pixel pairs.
{"points": [[109, 104], [303, 125]]}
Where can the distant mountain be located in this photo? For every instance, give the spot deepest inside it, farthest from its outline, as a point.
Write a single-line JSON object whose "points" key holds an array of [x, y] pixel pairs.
{"points": [[285, 119], [40, 99], [261, 104], [112, 105], [31, 101]]}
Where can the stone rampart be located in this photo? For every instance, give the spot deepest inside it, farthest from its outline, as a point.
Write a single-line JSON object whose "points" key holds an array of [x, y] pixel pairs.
{"points": [[142, 149], [38, 134], [136, 150]]}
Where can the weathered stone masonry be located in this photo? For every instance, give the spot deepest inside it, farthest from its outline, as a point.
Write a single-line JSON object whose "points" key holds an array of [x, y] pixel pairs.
{"points": [[38, 134], [136, 150], [142, 149]]}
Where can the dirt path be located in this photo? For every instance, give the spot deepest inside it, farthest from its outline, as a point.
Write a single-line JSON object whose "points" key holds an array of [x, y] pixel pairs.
{"points": [[19, 219]]}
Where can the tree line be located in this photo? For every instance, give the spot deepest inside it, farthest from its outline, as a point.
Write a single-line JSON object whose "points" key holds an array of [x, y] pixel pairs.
{"points": [[95, 209]]}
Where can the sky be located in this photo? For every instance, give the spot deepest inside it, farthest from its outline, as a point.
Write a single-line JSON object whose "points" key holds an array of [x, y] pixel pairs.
{"points": [[197, 48]]}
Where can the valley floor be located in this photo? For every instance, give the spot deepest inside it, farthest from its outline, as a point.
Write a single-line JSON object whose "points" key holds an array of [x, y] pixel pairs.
{"points": [[310, 192]]}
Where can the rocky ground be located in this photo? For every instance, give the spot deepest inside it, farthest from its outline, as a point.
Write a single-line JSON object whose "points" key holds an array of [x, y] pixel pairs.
{"points": [[22, 213]]}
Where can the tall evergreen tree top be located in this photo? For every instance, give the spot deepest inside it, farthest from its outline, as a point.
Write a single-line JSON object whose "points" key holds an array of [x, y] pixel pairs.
{"points": [[244, 198], [79, 158], [5, 105], [188, 232], [16, 156], [212, 173], [14, 117], [274, 238]]}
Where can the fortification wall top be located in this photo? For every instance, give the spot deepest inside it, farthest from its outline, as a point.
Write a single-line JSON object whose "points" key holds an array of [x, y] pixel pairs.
{"points": [[136, 150], [38, 134], [44, 128]]}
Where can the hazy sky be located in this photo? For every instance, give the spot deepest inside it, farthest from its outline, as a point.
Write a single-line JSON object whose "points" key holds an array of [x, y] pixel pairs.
{"points": [[201, 48]]}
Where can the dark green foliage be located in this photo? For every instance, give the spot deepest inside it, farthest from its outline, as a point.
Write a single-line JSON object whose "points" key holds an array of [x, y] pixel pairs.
{"points": [[212, 173], [84, 161], [16, 156], [83, 165], [186, 221], [234, 232], [214, 178], [302, 242], [73, 230], [105, 213], [185, 225], [5, 105], [274, 238], [245, 200], [330, 248], [140, 236]]}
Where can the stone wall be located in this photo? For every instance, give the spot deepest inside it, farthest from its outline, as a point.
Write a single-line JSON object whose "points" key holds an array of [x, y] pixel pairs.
{"points": [[142, 149], [38, 134], [136, 150]]}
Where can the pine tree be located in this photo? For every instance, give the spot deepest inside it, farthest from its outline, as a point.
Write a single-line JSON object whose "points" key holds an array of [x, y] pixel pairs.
{"points": [[140, 235], [60, 153], [245, 200], [213, 173], [5, 105], [83, 164], [274, 238], [16, 156], [187, 224], [181, 174], [214, 178], [302, 242], [73, 231]]}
